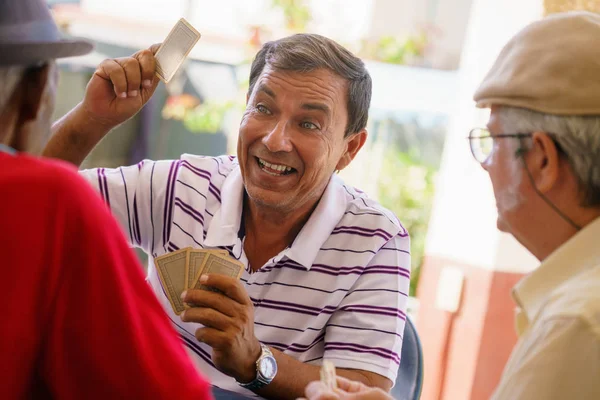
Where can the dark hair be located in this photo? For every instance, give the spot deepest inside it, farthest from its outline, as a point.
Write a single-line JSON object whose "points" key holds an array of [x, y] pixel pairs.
{"points": [[307, 52]]}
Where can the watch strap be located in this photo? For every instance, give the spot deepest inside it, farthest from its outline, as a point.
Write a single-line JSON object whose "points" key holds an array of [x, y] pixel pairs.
{"points": [[260, 380]]}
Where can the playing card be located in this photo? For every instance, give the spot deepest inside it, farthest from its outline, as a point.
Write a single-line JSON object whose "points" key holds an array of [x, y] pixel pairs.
{"points": [[328, 376], [171, 269], [219, 264], [176, 47], [195, 261]]}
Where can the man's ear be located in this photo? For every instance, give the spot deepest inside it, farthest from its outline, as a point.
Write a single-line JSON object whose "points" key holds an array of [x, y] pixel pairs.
{"points": [[544, 162], [354, 143], [31, 93]]}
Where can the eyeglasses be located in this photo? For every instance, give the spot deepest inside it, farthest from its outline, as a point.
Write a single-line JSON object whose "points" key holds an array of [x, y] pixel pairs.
{"points": [[482, 142]]}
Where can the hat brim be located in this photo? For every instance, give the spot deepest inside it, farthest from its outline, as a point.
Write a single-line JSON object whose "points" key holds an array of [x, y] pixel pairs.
{"points": [[31, 53]]}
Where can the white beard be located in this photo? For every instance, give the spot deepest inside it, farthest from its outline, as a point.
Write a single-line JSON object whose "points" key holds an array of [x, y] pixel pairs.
{"points": [[510, 197]]}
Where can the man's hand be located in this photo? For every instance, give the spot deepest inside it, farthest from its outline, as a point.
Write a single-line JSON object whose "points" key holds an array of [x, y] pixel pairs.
{"points": [[117, 91], [120, 87], [228, 320], [346, 389]]}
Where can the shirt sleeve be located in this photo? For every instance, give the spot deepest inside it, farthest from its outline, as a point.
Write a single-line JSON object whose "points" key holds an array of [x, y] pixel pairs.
{"points": [[365, 332], [107, 336], [139, 197], [561, 361]]}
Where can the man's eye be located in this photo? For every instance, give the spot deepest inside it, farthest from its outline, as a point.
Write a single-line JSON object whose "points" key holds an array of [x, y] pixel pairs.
{"points": [[262, 109], [308, 125]]}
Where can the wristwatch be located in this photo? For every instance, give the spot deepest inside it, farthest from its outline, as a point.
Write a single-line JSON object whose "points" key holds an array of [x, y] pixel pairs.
{"points": [[266, 369]]}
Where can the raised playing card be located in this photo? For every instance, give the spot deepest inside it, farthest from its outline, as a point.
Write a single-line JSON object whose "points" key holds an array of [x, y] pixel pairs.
{"points": [[176, 47], [171, 269]]}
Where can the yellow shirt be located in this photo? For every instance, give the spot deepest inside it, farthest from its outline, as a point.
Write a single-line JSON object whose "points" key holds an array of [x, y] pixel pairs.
{"points": [[558, 321]]}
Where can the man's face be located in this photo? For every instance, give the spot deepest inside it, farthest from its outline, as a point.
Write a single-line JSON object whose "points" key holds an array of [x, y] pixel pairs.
{"points": [[292, 137], [507, 174]]}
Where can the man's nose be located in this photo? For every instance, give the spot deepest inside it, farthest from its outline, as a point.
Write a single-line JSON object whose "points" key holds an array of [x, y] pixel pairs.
{"points": [[278, 139]]}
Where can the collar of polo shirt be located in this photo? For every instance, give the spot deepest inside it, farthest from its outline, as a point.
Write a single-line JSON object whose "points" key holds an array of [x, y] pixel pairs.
{"points": [[225, 225], [572, 258]]}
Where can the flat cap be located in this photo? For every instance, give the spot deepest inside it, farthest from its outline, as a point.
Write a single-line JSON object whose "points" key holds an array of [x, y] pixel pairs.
{"points": [[551, 66]]}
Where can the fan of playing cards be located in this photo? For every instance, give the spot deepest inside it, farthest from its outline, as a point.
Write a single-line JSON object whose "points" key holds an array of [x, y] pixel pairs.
{"points": [[181, 270]]}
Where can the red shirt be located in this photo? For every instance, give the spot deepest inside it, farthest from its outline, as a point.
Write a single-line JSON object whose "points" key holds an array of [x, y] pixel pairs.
{"points": [[78, 319]]}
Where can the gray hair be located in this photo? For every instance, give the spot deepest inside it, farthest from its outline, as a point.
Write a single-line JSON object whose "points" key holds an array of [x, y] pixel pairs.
{"points": [[578, 137], [308, 52], [9, 79]]}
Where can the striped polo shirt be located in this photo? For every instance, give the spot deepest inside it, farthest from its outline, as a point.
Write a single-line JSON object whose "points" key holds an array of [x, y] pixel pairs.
{"points": [[338, 292]]}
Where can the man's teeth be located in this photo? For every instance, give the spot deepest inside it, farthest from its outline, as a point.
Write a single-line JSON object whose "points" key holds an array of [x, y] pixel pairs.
{"points": [[274, 167]]}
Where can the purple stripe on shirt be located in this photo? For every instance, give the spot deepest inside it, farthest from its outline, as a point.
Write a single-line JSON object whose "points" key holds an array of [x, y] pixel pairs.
{"points": [[295, 347], [386, 272], [206, 175], [374, 310], [364, 230], [129, 221], [387, 267], [188, 234], [191, 187], [218, 167], [295, 305], [136, 222], [214, 191], [170, 199], [167, 197], [309, 310], [358, 348], [384, 235], [100, 188], [188, 209], [106, 187]]}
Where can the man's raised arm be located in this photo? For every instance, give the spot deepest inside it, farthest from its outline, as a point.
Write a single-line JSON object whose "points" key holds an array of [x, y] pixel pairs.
{"points": [[118, 89]]}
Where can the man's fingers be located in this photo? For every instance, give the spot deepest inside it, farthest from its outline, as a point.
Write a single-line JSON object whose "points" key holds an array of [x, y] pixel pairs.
{"points": [[216, 301], [316, 390], [147, 67], [231, 287], [133, 74], [154, 48], [350, 386], [212, 337], [112, 71], [207, 317]]}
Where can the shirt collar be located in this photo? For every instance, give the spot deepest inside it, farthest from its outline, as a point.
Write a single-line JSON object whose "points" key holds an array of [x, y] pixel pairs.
{"points": [[573, 257], [225, 225], [322, 222]]}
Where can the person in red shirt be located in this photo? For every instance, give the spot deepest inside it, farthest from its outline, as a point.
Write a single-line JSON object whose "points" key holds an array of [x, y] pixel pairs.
{"points": [[79, 321]]}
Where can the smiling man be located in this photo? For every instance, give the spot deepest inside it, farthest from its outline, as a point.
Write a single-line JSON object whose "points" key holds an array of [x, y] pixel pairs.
{"points": [[327, 269]]}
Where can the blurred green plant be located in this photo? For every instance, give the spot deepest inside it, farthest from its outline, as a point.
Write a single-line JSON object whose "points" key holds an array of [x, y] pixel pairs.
{"points": [[208, 117], [393, 50], [406, 187], [296, 13]]}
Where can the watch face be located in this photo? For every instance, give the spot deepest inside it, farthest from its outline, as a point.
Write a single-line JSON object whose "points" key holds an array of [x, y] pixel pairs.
{"points": [[268, 367]]}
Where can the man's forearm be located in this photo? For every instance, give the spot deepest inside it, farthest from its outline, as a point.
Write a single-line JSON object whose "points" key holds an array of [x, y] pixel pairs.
{"points": [[74, 136], [293, 376]]}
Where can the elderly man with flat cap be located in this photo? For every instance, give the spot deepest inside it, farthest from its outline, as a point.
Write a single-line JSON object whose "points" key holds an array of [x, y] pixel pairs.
{"points": [[541, 149], [76, 310]]}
